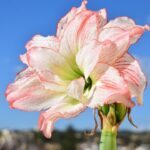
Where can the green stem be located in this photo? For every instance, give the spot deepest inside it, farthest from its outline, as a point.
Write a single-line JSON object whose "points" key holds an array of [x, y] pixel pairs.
{"points": [[108, 140]]}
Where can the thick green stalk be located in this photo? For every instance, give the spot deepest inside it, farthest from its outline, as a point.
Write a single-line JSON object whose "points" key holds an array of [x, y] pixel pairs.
{"points": [[111, 117], [108, 140]]}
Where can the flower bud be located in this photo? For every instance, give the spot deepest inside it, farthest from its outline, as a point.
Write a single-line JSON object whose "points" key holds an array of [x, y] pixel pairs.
{"points": [[114, 114], [120, 111], [111, 117], [105, 109]]}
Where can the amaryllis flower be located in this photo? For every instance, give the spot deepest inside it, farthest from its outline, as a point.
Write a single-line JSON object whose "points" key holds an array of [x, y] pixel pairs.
{"points": [[86, 64]]}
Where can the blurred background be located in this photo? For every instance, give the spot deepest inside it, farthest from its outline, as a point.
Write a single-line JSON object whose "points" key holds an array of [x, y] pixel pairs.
{"points": [[20, 20]]}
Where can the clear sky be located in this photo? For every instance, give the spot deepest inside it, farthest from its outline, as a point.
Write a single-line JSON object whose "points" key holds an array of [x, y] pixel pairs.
{"points": [[21, 19]]}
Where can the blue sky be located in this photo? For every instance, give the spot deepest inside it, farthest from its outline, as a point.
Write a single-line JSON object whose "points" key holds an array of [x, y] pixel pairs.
{"points": [[21, 19]]}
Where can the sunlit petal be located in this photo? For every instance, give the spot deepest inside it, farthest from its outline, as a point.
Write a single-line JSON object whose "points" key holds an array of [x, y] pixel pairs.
{"points": [[48, 60], [110, 88], [28, 93], [70, 108], [133, 75]]}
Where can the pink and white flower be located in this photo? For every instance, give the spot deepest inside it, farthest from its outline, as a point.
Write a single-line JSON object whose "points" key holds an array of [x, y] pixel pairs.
{"points": [[86, 64]]}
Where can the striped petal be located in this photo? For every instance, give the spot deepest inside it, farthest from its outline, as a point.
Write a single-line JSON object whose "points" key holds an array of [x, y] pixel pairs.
{"points": [[38, 41], [70, 108], [121, 22], [123, 32], [93, 53], [110, 88], [77, 32], [27, 92], [68, 17], [133, 75], [127, 24], [70, 42], [44, 42], [85, 56], [43, 59], [119, 37], [63, 23]]}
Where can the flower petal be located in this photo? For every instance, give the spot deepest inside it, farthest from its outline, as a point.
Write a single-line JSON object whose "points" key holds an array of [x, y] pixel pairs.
{"points": [[103, 15], [52, 82], [110, 88], [94, 52], [43, 42], [68, 17], [43, 59], [133, 75], [63, 23], [146, 27], [27, 92], [38, 41], [119, 37], [70, 108], [125, 23], [116, 35], [24, 59], [135, 34], [69, 42], [85, 56], [94, 22], [77, 32], [76, 89], [98, 71]]}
